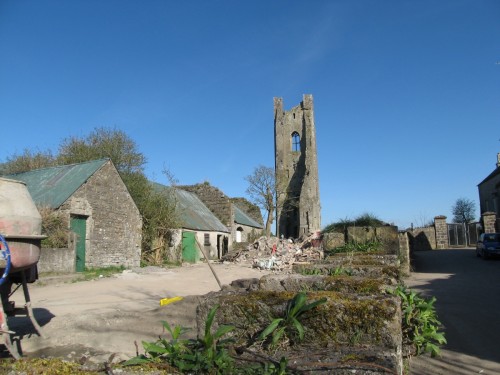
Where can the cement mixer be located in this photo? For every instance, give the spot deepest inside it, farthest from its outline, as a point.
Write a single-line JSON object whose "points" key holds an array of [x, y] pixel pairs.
{"points": [[20, 242]]}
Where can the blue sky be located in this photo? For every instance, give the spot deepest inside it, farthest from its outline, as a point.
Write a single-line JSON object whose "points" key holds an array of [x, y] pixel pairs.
{"points": [[406, 93]]}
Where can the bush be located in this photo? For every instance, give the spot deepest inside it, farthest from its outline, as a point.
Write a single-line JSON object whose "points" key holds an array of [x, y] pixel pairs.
{"points": [[420, 322], [364, 220], [54, 227]]}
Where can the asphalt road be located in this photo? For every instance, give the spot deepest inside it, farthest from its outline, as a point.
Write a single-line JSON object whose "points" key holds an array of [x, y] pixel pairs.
{"points": [[467, 289]]}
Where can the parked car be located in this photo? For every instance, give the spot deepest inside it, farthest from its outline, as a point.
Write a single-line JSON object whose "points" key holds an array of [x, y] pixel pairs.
{"points": [[488, 244]]}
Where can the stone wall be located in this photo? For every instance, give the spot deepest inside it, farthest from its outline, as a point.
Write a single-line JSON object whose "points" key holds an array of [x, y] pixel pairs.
{"points": [[57, 260], [332, 240], [210, 242], [441, 232], [422, 238], [387, 235], [489, 222], [216, 201], [248, 233], [113, 225], [404, 253]]}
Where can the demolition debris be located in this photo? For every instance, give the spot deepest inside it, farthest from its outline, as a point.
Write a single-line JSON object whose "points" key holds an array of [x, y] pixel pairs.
{"points": [[278, 254]]}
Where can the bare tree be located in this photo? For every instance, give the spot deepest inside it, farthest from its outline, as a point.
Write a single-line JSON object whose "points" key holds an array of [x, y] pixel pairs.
{"points": [[464, 211], [262, 192]]}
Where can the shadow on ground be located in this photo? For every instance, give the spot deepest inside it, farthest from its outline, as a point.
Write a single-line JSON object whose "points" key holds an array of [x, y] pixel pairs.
{"points": [[467, 290]]}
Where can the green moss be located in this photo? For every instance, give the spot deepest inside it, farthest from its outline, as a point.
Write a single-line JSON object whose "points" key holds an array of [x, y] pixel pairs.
{"points": [[40, 366], [345, 319], [350, 321], [357, 270], [347, 284]]}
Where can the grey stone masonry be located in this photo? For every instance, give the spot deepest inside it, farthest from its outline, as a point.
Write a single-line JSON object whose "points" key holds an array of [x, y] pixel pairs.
{"points": [[114, 224], [441, 232], [489, 220], [296, 165], [216, 201]]}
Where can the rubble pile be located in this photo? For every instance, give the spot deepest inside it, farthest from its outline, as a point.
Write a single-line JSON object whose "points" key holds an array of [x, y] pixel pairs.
{"points": [[278, 254]]}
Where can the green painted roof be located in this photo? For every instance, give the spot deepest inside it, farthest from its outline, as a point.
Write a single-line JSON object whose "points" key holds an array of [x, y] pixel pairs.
{"points": [[193, 212], [53, 186], [241, 217]]}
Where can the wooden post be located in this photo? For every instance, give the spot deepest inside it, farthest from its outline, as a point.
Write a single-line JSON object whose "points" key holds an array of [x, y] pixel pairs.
{"points": [[205, 255]]}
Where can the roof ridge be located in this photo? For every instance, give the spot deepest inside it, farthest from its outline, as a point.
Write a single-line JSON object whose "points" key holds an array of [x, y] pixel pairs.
{"points": [[58, 166]]}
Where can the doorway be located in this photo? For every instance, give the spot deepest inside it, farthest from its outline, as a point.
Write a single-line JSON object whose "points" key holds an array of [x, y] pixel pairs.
{"points": [[78, 225]]}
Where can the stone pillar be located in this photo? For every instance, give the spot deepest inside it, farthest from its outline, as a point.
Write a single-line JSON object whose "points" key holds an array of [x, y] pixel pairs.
{"points": [[489, 219], [441, 232], [404, 253]]}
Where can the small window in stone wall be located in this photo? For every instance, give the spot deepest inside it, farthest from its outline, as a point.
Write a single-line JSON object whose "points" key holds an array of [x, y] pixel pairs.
{"points": [[207, 239], [295, 142]]}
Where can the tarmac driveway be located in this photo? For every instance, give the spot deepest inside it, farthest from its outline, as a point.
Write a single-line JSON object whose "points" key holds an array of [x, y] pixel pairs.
{"points": [[467, 289]]}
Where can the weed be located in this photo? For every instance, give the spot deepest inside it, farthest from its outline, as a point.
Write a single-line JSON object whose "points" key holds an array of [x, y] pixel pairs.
{"points": [[94, 273], [358, 247], [282, 328], [420, 322], [337, 271], [208, 354]]}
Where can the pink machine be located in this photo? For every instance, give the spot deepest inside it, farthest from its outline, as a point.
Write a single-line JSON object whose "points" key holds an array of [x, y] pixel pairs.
{"points": [[20, 241]]}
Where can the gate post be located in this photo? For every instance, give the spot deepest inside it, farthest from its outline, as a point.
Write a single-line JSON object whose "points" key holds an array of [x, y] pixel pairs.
{"points": [[489, 219], [441, 232]]}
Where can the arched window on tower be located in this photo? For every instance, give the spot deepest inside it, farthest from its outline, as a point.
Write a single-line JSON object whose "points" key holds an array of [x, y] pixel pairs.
{"points": [[295, 142]]}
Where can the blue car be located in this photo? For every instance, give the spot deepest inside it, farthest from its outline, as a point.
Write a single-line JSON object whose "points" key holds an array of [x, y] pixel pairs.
{"points": [[488, 244]]}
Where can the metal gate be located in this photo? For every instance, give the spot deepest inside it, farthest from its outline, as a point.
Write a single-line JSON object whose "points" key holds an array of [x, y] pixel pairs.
{"points": [[457, 235], [460, 234], [473, 232]]}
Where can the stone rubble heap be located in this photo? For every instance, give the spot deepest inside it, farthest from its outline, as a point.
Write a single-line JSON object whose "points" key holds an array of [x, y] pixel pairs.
{"points": [[278, 254]]}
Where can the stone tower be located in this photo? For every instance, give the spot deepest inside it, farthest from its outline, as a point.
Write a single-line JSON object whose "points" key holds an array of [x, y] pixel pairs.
{"points": [[298, 210]]}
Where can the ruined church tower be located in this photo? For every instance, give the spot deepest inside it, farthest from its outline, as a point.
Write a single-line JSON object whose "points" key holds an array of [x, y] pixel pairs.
{"points": [[298, 210]]}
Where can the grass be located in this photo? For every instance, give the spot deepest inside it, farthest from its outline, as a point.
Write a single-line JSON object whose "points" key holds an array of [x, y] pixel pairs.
{"points": [[96, 273], [88, 274]]}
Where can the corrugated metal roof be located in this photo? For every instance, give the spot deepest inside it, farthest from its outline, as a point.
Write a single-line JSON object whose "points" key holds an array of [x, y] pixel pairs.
{"points": [[241, 217], [53, 186], [193, 212]]}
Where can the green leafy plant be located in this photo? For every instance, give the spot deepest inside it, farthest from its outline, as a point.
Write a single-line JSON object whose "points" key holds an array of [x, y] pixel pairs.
{"points": [[340, 271], [337, 271], [358, 247], [420, 322], [208, 354], [289, 325], [310, 271], [364, 220], [95, 273]]}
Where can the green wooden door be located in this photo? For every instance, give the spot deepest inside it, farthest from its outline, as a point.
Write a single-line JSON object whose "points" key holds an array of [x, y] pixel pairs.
{"points": [[79, 227], [189, 251]]}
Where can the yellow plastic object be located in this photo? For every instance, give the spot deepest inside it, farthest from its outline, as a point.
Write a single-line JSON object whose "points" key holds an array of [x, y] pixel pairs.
{"points": [[168, 301]]}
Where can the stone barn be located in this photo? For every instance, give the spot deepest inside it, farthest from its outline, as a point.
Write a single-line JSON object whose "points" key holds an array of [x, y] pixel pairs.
{"points": [[241, 217], [200, 228], [91, 198]]}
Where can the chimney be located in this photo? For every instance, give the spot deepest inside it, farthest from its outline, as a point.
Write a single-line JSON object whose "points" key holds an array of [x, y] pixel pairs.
{"points": [[498, 160]]}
